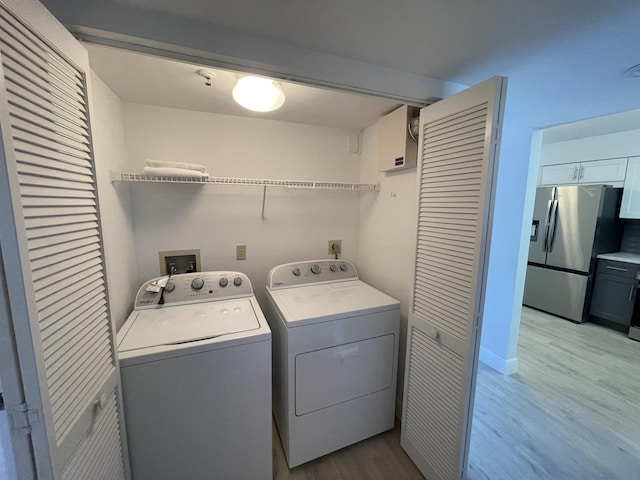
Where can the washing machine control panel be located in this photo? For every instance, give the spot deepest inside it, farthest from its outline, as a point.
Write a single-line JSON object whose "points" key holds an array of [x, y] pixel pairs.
{"points": [[315, 271], [196, 287]]}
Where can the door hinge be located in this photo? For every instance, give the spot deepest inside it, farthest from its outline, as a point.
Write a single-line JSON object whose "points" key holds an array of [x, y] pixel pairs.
{"points": [[22, 418], [496, 135], [477, 321]]}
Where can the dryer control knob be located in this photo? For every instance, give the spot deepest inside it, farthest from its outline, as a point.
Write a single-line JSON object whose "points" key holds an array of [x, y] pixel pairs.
{"points": [[315, 268], [333, 268], [223, 282], [343, 267], [237, 281], [169, 287], [296, 271], [197, 283]]}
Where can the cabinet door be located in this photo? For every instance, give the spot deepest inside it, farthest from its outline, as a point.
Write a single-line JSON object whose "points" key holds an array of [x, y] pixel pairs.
{"points": [[630, 207], [559, 174], [603, 171], [613, 297]]}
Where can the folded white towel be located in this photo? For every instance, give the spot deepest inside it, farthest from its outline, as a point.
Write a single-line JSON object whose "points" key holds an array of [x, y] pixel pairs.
{"points": [[182, 165], [173, 172]]}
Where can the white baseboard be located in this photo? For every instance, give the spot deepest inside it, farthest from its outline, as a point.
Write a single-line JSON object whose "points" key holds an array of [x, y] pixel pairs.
{"points": [[499, 364]]}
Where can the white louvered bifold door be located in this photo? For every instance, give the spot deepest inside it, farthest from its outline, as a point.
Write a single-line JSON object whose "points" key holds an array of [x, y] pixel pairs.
{"points": [[52, 249], [458, 151]]}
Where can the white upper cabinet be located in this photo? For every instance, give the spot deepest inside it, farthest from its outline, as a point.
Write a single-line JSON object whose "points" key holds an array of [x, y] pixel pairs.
{"points": [[630, 207], [610, 171], [559, 174]]}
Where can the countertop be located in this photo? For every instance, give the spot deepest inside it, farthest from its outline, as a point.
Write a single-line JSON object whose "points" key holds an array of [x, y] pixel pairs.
{"points": [[621, 257]]}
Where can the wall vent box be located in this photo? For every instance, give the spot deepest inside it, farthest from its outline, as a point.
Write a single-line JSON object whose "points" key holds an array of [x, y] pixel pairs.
{"points": [[396, 148], [182, 261]]}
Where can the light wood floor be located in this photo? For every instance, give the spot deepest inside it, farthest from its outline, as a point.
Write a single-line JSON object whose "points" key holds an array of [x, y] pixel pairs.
{"points": [[571, 412]]}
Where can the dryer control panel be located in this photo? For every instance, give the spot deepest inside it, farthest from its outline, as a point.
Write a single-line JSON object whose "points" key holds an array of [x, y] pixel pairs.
{"points": [[195, 287], [314, 271]]}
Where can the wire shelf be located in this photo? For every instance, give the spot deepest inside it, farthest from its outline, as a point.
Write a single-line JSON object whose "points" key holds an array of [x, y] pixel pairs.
{"points": [[258, 182]]}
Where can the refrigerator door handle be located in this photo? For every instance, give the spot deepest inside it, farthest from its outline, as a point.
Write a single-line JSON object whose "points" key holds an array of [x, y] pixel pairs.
{"points": [[547, 224], [552, 224]]}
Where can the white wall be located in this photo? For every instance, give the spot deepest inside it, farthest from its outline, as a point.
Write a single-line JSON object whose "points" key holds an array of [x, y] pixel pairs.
{"points": [[215, 218], [558, 84], [115, 200], [387, 231]]}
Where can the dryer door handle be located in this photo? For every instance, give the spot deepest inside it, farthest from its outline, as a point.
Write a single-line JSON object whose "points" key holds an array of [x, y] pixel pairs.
{"points": [[347, 352]]}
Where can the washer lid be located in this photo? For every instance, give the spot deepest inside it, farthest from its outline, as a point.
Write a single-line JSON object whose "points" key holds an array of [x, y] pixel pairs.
{"points": [[188, 323], [319, 303]]}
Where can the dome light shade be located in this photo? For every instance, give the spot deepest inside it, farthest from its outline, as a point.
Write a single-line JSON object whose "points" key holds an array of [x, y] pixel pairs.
{"points": [[258, 94]]}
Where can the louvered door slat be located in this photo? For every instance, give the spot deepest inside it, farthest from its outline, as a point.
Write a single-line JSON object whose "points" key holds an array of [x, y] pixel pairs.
{"points": [[28, 98], [65, 310], [424, 412], [97, 452], [33, 93], [75, 312], [61, 278], [36, 222], [28, 102], [61, 358], [20, 48], [44, 126], [61, 256], [87, 381], [62, 247], [45, 231], [450, 121], [50, 115], [28, 137], [47, 58], [46, 136], [25, 159], [36, 77], [38, 243], [47, 116], [456, 161], [88, 283], [53, 335], [58, 211]]}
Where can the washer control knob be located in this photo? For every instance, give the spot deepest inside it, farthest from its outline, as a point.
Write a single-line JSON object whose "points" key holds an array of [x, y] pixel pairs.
{"points": [[315, 269], [296, 271], [237, 281], [197, 283], [223, 282], [333, 268], [343, 267], [169, 287]]}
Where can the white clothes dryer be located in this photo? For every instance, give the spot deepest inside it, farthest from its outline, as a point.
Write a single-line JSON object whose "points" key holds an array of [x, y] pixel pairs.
{"points": [[195, 362], [335, 357]]}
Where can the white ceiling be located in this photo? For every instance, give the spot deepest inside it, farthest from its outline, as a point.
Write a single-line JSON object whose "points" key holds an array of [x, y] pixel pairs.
{"points": [[436, 38], [150, 80], [451, 40]]}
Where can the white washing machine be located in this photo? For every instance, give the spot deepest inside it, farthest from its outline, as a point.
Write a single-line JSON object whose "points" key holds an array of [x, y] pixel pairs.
{"points": [[335, 356], [196, 380]]}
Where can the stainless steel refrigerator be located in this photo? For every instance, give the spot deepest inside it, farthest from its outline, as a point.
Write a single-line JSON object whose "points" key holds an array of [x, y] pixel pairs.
{"points": [[570, 227]]}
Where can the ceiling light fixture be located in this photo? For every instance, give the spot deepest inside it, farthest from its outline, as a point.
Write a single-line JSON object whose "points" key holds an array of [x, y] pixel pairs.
{"points": [[258, 94]]}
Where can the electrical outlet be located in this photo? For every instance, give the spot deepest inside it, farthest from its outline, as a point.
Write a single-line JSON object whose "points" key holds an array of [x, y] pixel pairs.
{"points": [[241, 252], [335, 246]]}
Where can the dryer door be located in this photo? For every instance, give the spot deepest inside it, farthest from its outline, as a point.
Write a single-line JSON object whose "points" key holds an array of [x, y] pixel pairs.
{"points": [[345, 372]]}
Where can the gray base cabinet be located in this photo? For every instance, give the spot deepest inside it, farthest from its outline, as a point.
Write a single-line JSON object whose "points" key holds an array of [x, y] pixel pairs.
{"points": [[614, 292]]}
